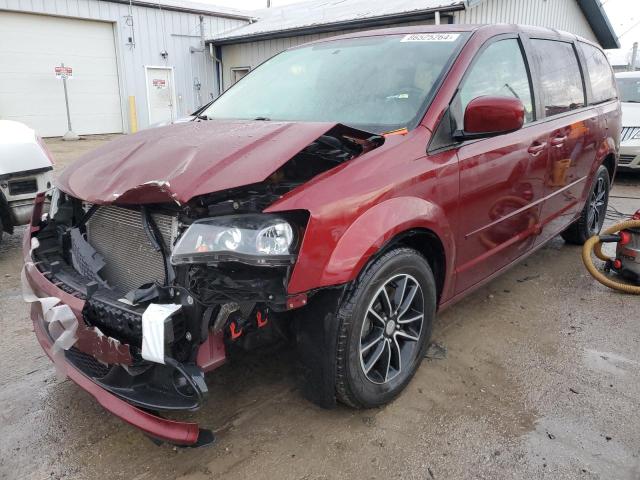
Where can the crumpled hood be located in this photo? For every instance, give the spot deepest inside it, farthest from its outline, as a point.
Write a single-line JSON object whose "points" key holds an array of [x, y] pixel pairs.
{"points": [[182, 161]]}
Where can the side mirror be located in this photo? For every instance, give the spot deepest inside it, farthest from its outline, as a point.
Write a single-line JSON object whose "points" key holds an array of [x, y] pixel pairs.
{"points": [[488, 116]]}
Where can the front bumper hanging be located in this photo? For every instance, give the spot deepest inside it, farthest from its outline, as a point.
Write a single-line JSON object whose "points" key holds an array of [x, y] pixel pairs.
{"points": [[56, 313]]}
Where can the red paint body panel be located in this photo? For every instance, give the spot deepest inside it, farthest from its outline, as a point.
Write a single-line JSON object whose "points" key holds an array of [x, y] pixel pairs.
{"points": [[387, 191]]}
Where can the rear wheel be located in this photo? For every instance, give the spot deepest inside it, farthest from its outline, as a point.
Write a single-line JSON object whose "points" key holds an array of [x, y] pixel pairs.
{"points": [[385, 326], [592, 216]]}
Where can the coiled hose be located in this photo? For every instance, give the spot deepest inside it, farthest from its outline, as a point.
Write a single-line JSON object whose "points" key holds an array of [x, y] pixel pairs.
{"points": [[594, 244]]}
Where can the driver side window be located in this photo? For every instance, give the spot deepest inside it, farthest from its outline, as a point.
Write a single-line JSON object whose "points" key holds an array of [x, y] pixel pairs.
{"points": [[500, 71]]}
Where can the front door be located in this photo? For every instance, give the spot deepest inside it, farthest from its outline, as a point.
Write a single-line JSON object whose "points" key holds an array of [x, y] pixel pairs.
{"points": [[501, 178], [160, 95]]}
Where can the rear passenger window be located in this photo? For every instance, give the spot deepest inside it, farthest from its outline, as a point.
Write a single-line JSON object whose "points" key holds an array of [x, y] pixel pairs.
{"points": [[599, 73], [560, 76], [499, 71]]}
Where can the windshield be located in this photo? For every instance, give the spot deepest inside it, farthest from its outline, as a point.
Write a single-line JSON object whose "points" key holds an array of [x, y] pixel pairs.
{"points": [[629, 89], [379, 83]]}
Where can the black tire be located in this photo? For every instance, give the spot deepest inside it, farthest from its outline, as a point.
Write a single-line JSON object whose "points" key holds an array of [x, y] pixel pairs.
{"points": [[592, 216], [356, 326]]}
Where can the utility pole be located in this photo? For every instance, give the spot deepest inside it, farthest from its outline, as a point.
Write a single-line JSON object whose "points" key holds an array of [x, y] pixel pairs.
{"points": [[634, 56], [64, 73]]}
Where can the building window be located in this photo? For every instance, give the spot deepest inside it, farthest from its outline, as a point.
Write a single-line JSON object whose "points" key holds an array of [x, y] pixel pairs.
{"points": [[238, 72]]}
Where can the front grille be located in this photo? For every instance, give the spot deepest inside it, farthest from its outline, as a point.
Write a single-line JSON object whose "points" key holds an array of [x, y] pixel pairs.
{"points": [[22, 187], [114, 321], [131, 261], [629, 132], [86, 363], [626, 159]]}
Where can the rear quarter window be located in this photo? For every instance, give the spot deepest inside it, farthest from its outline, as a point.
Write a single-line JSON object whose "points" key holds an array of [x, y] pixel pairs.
{"points": [[599, 74], [560, 78]]}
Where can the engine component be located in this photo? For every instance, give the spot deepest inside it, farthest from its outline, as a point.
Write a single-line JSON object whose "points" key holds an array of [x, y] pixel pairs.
{"points": [[119, 236]]}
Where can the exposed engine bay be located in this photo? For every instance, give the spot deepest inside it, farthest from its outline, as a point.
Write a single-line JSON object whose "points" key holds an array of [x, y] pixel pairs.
{"points": [[122, 259]]}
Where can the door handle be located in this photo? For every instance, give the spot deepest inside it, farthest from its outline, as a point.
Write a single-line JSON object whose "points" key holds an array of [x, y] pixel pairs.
{"points": [[536, 148], [558, 141]]}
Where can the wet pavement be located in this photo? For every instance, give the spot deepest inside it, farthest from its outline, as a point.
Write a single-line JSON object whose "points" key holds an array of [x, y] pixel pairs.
{"points": [[541, 379]]}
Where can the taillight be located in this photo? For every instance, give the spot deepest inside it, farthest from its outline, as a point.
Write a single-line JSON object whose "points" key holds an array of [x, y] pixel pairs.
{"points": [[625, 237], [617, 264]]}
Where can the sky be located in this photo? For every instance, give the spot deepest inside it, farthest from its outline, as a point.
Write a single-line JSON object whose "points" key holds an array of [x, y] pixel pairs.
{"points": [[624, 15]]}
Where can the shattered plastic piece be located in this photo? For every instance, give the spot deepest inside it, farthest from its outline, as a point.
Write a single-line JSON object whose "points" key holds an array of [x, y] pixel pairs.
{"points": [[153, 326], [86, 260]]}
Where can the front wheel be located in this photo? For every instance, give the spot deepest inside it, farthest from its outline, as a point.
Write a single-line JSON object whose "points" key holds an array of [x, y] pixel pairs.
{"points": [[384, 328], [592, 216]]}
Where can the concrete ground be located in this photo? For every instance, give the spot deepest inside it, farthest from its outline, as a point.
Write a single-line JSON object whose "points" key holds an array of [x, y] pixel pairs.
{"points": [[541, 380]]}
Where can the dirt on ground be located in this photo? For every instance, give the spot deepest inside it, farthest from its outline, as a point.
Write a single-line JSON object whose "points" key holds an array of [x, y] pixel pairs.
{"points": [[541, 379]]}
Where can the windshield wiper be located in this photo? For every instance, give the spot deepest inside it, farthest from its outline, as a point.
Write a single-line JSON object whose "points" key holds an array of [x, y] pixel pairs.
{"points": [[262, 119]]}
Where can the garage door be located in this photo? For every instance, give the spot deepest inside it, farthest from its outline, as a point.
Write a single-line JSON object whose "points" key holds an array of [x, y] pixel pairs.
{"points": [[30, 48]]}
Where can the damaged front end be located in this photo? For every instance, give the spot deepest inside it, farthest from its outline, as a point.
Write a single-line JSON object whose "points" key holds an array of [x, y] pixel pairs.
{"points": [[164, 291]]}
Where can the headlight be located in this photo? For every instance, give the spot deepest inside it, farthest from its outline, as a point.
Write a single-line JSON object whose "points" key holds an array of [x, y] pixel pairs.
{"points": [[257, 239]]}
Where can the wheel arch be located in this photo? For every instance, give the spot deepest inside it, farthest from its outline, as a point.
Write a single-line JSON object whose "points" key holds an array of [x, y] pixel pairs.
{"points": [[429, 245], [609, 161], [407, 221]]}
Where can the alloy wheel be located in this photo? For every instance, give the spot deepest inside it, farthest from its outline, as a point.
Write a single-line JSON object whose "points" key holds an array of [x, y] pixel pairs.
{"points": [[597, 206], [390, 333]]}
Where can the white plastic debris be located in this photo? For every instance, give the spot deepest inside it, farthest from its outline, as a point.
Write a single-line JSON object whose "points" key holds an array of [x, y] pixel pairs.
{"points": [[60, 319], [153, 322]]}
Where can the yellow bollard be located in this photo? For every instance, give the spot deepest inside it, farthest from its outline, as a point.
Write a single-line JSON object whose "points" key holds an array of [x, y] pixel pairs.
{"points": [[133, 116]]}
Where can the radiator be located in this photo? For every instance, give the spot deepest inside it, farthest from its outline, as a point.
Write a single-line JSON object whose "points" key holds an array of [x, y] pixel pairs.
{"points": [[131, 261]]}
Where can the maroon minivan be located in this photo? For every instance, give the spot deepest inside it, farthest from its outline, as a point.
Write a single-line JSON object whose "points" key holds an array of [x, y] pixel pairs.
{"points": [[334, 199]]}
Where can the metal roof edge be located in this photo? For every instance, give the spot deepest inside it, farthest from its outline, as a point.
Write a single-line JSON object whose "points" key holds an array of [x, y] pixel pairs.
{"points": [[176, 8], [599, 22], [336, 26]]}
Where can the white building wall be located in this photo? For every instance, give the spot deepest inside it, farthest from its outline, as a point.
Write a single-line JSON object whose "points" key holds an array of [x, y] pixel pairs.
{"points": [[559, 14], [155, 29]]}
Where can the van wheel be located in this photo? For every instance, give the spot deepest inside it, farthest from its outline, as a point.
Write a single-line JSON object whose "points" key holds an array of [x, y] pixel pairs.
{"points": [[592, 217], [384, 328]]}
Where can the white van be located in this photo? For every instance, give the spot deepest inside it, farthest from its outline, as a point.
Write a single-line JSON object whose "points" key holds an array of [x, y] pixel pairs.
{"points": [[26, 168], [629, 86]]}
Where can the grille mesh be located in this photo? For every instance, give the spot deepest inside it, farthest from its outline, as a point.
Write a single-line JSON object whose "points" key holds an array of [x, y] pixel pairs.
{"points": [[626, 159], [118, 235], [628, 132]]}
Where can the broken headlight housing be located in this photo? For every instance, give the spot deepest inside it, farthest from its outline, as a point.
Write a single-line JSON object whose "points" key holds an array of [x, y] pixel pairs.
{"points": [[260, 239]]}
